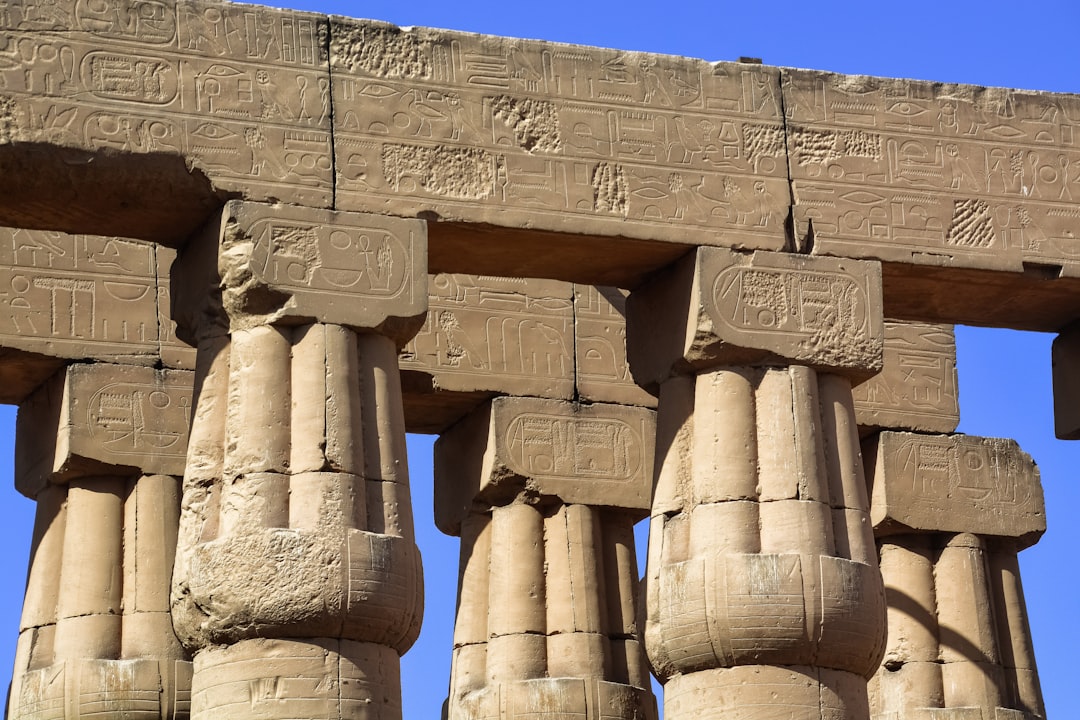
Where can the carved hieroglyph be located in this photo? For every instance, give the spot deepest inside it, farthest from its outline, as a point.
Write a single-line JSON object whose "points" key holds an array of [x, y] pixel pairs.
{"points": [[917, 386], [479, 128], [762, 587], [515, 336], [951, 513], [297, 581], [240, 91], [100, 449], [922, 172], [544, 495]]}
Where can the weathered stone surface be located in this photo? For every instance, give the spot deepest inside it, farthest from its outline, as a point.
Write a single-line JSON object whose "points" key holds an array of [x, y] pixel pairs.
{"points": [[953, 483], [510, 336], [718, 307], [588, 454], [521, 133], [95, 418], [917, 386], [933, 173], [959, 644], [483, 336], [291, 265], [603, 374], [239, 93]]}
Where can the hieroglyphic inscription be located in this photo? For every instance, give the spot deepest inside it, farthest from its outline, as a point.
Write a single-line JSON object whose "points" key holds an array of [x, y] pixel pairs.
{"points": [[597, 454], [478, 126], [284, 261], [104, 415], [954, 483], [931, 173], [506, 335], [814, 308], [591, 454], [78, 296], [603, 374], [242, 92], [917, 387]]}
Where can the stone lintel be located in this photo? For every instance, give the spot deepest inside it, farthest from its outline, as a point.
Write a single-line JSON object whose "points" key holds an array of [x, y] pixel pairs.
{"points": [[953, 484], [551, 137], [291, 265], [99, 419], [1065, 356], [936, 174], [588, 454], [917, 386], [716, 307], [487, 336]]}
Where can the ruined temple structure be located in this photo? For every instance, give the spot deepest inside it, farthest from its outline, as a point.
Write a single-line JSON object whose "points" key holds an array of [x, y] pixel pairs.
{"points": [[245, 250]]}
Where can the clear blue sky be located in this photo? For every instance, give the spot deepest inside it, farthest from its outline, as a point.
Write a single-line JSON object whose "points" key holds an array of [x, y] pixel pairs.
{"points": [[1005, 376]]}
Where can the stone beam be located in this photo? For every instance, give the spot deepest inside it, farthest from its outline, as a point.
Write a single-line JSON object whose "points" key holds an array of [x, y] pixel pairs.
{"points": [[535, 159], [487, 336], [81, 297], [917, 386]]}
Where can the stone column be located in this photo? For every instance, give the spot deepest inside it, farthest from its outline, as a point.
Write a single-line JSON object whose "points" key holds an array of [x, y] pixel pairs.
{"points": [[544, 495], [297, 583], [101, 448], [951, 512], [763, 594]]}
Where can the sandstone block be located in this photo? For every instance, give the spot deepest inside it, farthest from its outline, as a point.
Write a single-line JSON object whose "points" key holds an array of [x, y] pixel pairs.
{"points": [[291, 265], [917, 386], [587, 454], [526, 134], [935, 174], [240, 93], [603, 374], [953, 483], [1066, 362], [718, 307], [486, 335], [94, 418]]}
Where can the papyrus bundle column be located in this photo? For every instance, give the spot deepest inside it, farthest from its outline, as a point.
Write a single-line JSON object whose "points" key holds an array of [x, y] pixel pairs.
{"points": [[297, 582], [763, 595], [544, 495], [950, 513], [101, 449]]}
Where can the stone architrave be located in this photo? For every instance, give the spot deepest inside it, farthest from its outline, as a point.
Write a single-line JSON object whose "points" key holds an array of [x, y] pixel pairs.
{"points": [[951, 513], [520, 133], [297, 583], [238, 93], [917, 386], [931, 173], [101, 448], [1066, 358], [762, 587], [544, 495], [487, 336], [603, 374]]}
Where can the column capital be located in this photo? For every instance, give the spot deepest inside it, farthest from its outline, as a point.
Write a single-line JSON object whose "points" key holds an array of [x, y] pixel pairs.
{"points": [[94, 418], [718, 307], [953, 484], [258, 264], [588, 454]]}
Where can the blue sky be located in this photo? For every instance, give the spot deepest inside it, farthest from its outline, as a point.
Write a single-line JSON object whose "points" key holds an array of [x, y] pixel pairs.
{"points": [[1004, 376]]}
